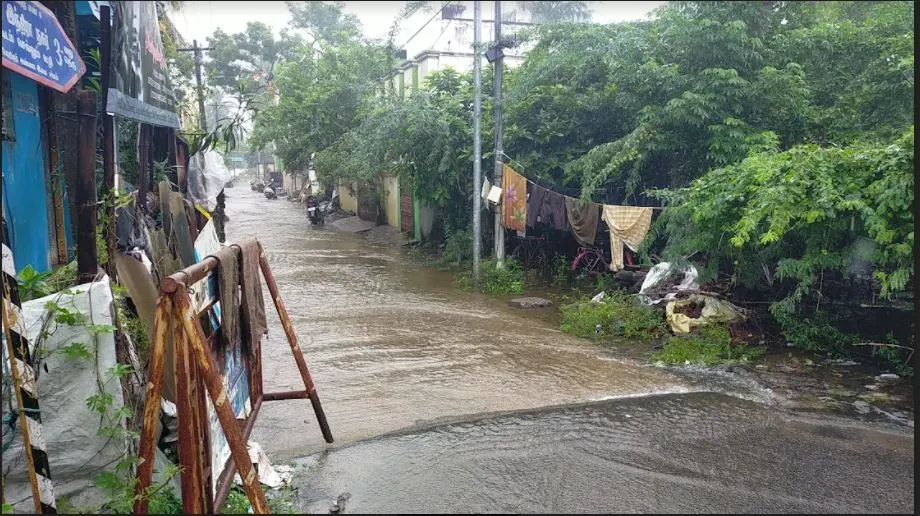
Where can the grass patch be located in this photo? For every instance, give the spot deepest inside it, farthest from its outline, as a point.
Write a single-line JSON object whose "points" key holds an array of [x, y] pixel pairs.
{"points": [[280, 501], [619, 314], [507, 280], [711, 345]]}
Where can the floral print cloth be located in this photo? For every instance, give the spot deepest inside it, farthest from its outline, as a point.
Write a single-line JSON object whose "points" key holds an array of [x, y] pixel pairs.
{"points": [[514, 193]]}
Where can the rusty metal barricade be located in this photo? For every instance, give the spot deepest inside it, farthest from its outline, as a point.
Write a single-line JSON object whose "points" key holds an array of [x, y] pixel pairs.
{"points": [[196, 376]]}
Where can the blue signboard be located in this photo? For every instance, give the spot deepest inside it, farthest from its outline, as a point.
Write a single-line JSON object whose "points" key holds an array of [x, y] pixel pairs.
{"points": [[34, 45]]}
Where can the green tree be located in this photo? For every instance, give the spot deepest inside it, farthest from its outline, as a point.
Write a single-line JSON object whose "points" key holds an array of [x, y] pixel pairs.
{"points": [[326, 22], [248, 57], [556, 11]]}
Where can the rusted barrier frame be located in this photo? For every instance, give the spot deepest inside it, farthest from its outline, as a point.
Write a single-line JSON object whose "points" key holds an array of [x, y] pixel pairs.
{"points": [[219, 398], [295, 347], [175, 286], [193, 478], [152, 404]]}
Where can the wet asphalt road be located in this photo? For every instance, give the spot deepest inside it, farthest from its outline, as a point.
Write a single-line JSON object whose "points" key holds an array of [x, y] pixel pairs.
{"points": [[446, 401]]}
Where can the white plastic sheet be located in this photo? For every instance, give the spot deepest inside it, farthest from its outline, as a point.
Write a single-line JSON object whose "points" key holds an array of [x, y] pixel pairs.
{"points": [[273, 477], [207, 176], [77, 453], [653, 289]]}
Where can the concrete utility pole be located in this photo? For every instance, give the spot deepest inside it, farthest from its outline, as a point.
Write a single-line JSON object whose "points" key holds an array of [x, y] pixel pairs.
{"points": [[203, 122], [477, 143], [499, 157]]}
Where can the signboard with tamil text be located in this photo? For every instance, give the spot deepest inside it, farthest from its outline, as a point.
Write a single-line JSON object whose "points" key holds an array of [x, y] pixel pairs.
{"points": [[140, 88], [35, 45]]}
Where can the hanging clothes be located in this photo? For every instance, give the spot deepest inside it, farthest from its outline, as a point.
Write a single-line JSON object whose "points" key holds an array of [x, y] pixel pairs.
{"points": [[514, 188], [583, 218], [628, 225], [546, 207], [252, 304], [228, 281]]}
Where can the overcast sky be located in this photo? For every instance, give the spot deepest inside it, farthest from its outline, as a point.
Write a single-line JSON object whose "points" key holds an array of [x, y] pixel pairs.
{"points": [[199, 19]]}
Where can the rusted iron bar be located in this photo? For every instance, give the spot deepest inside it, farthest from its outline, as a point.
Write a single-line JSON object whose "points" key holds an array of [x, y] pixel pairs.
{"points": [[287, 395], [108, 136], [191, 274], [207, 369], [87, 257], [225, 481], [192, 482], [295, 347], [152, 405]]}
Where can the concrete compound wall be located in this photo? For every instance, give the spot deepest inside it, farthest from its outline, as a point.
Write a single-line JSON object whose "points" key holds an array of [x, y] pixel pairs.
{"points": [[391, 206], [348, 199]]}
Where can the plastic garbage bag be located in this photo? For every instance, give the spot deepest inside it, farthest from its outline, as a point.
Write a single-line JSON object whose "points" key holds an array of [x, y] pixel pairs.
{"points": [[665, 280], [207, 176], [713, 311]]}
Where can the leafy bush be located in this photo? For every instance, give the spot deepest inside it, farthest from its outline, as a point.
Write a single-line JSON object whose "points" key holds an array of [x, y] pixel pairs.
{"points": [[711, 345], [507, 280], [619, 314], [279, 501], [34, 284], [458, 247], [562, 269]]}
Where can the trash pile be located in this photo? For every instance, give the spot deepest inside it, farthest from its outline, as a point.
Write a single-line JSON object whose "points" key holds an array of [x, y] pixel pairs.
{"points": [[685, 307]]}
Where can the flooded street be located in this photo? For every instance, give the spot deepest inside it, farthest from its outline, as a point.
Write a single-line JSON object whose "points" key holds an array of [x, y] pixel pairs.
{"points": [[392, 344], [438, 400]]}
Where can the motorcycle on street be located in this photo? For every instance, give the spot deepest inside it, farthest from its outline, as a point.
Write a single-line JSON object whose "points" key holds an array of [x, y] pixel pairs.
{"points": [[314, 211]]}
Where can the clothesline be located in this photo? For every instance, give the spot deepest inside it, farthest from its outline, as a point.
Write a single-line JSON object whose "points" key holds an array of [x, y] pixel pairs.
{"points": [[520, 171]]}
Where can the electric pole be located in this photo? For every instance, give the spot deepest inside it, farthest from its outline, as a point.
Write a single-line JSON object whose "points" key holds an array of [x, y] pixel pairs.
{"points": [[477, 143], [203, 122], [218, 214], [499, 154]]}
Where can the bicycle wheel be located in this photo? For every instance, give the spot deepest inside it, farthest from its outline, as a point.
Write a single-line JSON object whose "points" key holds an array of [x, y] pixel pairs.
{"points": [[590, 262]]}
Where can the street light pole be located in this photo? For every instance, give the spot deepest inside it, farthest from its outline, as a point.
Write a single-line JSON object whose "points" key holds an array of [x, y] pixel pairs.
{"points": [[477, 143], [499, 154]]}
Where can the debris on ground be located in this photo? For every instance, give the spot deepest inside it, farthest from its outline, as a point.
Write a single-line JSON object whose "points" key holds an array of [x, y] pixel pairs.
{"points": [[665, 281], [886, 377], [530, 302], [698, 310], [273, 477]]}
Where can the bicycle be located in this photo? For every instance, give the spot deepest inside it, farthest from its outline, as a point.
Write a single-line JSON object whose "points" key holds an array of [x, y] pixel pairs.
{"points": [[531, 254], [590, 260]]}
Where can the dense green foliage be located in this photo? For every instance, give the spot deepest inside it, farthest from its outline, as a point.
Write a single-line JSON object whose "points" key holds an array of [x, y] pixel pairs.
{"points": [[779, 135], [804, 215]]}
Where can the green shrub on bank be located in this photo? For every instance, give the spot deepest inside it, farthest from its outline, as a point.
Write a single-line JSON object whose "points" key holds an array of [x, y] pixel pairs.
{"points": [[619, 314], [507, 280], [712, 345], [818, 334]]}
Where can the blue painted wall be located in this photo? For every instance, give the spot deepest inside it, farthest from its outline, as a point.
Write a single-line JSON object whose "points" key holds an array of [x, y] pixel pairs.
{"points": [[25, 194]]}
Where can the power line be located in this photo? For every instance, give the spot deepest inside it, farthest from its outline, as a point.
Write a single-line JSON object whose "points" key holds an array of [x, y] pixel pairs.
{"points": [[445, 4]]}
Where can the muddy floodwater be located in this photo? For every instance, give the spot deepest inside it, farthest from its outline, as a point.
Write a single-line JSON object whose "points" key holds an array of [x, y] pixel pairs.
{"points": [[458, 385]]}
